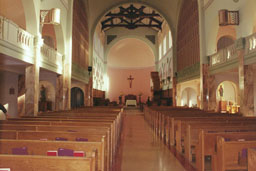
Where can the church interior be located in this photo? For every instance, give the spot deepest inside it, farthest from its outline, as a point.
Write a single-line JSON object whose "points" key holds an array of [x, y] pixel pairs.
{"points": [[128, 85]]}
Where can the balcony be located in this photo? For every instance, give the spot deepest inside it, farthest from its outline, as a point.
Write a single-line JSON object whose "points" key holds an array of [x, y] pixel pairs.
{"points": [[15, 41], [250, 44], [223, 56], [228, 56], [51, 59], [18, 43]]}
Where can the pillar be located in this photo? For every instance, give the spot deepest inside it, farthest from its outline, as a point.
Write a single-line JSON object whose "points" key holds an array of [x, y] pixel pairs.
{"points": [[246, 89], [212, 101], [203, 58], [174, 91], [32, 88]]}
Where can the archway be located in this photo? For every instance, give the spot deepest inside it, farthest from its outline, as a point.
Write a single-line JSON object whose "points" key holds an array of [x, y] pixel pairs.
{"points": [[189, 97], [227, 96], [77, 97], [224, 42]]}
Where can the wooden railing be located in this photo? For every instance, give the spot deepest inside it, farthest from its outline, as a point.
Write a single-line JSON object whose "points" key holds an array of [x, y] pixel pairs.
{"points": [[223, 55], [50, 55], [229, 53], [13, 34], [250, 44]]}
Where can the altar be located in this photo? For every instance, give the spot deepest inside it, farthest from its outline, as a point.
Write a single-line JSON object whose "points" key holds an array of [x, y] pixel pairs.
{"points": [[131, 103], [130, 100]]}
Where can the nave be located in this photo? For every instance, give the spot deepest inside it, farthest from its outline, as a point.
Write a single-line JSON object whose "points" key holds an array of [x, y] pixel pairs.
{"points": [[140, 150]]}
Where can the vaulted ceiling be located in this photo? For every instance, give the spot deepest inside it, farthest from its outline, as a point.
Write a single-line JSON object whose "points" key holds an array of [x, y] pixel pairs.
{"points": [[132, 16]]}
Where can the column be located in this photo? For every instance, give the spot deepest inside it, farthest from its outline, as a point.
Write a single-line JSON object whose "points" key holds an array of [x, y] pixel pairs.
{"points": [[90, 91], [212, 105], [246, 83], [174, 91], [203, 58], [32, 88]]}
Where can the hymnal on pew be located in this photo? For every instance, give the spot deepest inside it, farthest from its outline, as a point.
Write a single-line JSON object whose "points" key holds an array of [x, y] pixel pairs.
{"points": [[81, 139], [52, 153], [60, 139], [65, 152], [20, 151], [79, 154]]}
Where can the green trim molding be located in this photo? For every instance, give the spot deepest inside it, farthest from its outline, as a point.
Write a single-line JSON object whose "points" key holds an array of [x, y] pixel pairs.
{"points": [[189, 73], [80, 74]]}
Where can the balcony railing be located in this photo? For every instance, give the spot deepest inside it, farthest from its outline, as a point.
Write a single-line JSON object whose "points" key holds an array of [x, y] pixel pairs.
{"points": [[250, 46], [51, 56], [223, 55], [13, 34]]}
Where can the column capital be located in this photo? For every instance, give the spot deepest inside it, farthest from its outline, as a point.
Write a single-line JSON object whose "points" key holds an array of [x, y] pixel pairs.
{"points": [[38, 41]]}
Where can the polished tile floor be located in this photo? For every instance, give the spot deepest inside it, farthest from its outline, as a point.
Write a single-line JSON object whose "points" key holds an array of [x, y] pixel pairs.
{"points": [[140, 150]]}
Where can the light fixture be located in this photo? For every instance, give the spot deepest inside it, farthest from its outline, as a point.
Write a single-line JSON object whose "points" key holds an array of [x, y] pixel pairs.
{"points": [[89, 69]]}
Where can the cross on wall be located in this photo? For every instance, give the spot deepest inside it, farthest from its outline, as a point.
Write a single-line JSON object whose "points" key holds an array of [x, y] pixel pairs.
{"points": [[130, 79]]}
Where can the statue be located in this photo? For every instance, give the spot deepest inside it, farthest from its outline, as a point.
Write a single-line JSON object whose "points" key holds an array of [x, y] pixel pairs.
{"points": [[221, 91], [43, 94]]}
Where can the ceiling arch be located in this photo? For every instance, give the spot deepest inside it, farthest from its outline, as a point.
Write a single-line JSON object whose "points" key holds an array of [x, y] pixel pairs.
{"points": [[168, 10], [130, 53], [134, 37]]}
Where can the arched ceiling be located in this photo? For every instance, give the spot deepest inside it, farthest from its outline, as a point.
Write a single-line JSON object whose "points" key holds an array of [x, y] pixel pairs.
{"points": [[131, 53], [168, 9], [132, 16]]}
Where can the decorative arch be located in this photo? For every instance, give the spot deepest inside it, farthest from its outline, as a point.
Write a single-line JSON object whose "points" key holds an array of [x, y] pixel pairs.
{"points": [[226, 31], [115, 5]]}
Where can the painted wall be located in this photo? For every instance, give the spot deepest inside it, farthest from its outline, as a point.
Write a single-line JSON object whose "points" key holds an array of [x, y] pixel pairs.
{"points": [[119, 84], [9, 80], [13, 10]]}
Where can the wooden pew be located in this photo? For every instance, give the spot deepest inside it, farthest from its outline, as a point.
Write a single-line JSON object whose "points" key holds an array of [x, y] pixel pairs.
{"points": [[51, 134], [208, 142], [229, 154], [251, 159], [43, 163], [94, 119], [192, 134], [40, 148]]}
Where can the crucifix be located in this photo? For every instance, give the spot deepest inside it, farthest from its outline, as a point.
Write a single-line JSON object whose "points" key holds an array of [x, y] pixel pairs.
{"points": [[130, 80]]}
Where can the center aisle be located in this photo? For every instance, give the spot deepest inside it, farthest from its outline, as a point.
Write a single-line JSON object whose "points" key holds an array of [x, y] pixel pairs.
{"points": [[140, 150]]}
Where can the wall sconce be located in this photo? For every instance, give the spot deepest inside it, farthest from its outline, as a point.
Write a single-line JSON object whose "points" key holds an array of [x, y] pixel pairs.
{"points": [[89, 70], [51, 16]]}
